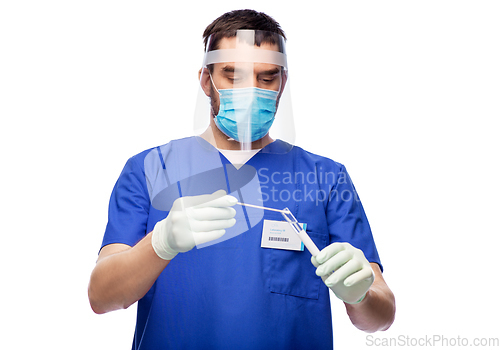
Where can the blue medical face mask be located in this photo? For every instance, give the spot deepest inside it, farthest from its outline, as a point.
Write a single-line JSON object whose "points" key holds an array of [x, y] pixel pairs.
{"points": [[246, 114]]}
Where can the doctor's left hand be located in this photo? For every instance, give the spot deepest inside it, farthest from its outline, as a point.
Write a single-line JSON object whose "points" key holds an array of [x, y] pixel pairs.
{"points": [[352, 274]]}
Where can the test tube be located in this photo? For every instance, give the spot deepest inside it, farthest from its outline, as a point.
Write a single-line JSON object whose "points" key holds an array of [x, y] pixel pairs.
{"points": [[304, 237]]}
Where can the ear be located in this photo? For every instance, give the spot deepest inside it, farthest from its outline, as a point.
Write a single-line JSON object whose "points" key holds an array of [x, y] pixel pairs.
{"points": [[205, 82]]}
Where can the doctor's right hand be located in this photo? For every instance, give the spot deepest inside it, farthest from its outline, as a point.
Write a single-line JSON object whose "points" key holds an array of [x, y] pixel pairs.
{"points": [[193, 220]]}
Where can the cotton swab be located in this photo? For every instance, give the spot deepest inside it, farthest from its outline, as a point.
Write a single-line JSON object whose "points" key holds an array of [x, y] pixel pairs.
{"points": [[259, 207]]}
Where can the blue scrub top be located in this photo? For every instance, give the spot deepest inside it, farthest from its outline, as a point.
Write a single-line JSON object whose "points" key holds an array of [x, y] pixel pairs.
{"points": [[236, 294]]}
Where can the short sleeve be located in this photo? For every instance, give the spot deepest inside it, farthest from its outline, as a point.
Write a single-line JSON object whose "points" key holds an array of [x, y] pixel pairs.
{"points": [[128, 207], [347, 221]]}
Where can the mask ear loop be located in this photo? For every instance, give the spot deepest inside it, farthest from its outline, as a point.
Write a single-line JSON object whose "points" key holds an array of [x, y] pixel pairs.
{"points": [[210, 75], [215, 87]]}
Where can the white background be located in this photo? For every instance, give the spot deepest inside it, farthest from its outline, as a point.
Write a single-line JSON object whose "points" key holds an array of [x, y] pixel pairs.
{"points": [[404, 93]]}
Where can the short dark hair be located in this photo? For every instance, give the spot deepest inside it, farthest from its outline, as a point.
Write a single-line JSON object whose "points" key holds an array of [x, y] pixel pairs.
{"points": [[227, 25]]}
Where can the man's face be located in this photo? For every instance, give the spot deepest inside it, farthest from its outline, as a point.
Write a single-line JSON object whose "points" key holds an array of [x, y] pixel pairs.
{"points": [[234, 75]]}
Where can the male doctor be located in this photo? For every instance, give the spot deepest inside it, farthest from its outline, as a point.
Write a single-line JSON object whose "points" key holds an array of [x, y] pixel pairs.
{"points": [[209, 273]]}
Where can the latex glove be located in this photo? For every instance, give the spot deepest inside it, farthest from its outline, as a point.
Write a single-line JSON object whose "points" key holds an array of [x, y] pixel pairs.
{"points": [[193, 220], [352, 274]]}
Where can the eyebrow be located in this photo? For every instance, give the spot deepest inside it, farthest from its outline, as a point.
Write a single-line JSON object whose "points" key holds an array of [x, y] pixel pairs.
{"points": [[270, 71], [230, 69]]}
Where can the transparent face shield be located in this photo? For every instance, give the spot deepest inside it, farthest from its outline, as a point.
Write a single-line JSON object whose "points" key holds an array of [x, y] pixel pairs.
{"points": [[244, 97]]}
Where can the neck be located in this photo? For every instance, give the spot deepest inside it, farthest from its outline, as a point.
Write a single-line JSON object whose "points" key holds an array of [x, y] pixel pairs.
{"points": [[217, 139]]}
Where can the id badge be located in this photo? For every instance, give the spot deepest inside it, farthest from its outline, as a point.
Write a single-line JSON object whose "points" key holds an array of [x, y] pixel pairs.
{"points": [[280, 235]]}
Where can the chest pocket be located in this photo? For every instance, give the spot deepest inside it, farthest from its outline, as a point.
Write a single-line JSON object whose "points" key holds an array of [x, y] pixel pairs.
{"points": [[291, 272]]}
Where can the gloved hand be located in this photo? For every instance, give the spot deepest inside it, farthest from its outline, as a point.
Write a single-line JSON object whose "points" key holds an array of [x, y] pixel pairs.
{"points": [[352, 274], [193, 220]]}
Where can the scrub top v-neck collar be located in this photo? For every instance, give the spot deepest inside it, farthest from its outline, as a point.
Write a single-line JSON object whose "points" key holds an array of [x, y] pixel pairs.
{"points": [[238, 158]]}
